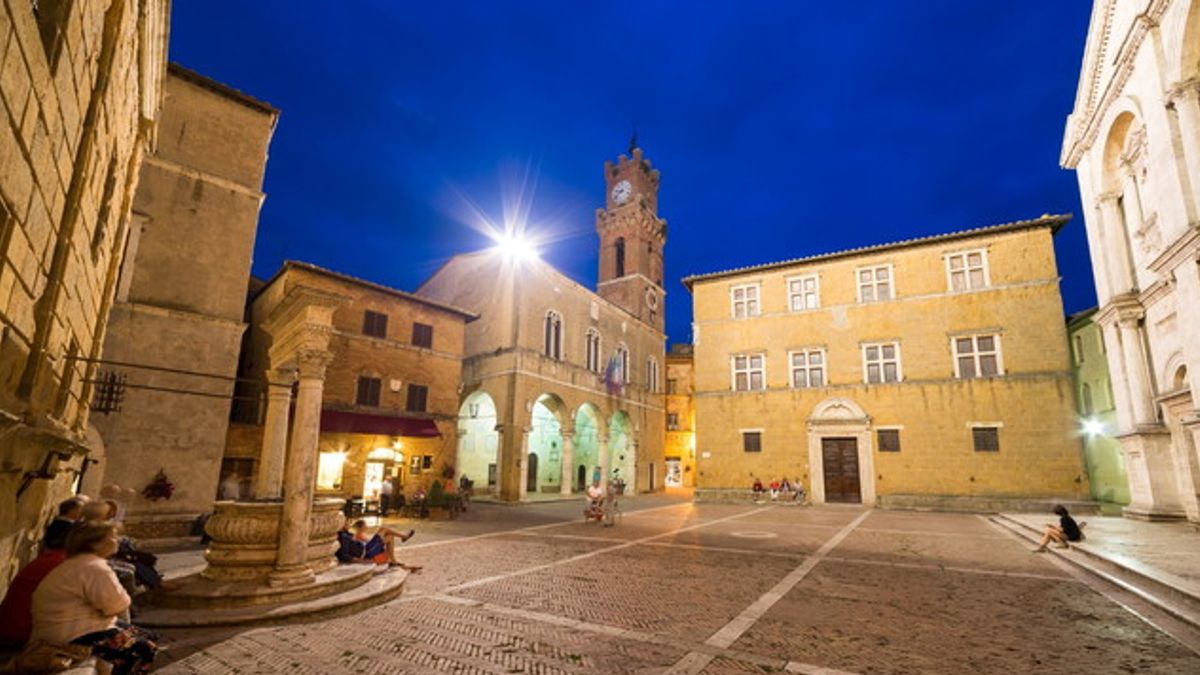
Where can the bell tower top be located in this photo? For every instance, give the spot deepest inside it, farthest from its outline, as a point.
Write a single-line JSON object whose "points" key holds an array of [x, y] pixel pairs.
{"points": [[632, 237]]}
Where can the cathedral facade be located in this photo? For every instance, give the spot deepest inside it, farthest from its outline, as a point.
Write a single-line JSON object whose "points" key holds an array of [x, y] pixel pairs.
{"points": [[562, 385], [1133, 140]]}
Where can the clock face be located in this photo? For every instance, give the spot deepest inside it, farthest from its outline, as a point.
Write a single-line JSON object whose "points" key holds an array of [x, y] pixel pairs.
{"points": [[621, 192]]}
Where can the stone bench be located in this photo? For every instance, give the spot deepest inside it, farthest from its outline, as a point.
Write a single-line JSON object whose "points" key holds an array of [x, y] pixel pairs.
{"points": [[88, 667]]}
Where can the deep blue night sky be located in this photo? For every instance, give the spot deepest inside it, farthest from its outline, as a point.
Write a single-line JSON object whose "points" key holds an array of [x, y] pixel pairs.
{"points": [[781, 128]]}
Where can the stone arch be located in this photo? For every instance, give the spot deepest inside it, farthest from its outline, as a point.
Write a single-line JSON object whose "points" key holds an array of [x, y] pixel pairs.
{"points": [[833, 423], [478, 455], [1174, 374], [837, 409], [589, 430], [1126, 122], [547, 417], [622, 448]]}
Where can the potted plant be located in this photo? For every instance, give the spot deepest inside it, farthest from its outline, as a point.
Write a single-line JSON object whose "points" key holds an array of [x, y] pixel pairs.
{"points": [[435, 502]]}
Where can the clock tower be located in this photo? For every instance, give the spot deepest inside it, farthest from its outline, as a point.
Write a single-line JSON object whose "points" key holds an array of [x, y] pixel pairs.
{"points": [[632, 237]]}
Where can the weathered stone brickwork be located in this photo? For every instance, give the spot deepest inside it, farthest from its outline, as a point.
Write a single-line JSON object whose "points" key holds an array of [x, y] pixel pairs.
{"points": [[829, 430], [80, 83], [180, 300], [392, 358]]}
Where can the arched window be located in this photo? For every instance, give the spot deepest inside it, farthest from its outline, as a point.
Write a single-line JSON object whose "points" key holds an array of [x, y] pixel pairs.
{"points": [[552, 345], [593, 350], [652, 374], [620, 257], [1086, 395], [623, 362]]}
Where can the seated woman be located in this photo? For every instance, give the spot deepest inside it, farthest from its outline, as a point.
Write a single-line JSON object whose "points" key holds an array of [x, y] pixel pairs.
{"points": [[1066, 531], [354, 546], [78, 603]]}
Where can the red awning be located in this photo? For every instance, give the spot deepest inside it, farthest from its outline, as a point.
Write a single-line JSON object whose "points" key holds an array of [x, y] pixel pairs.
{"points": [[380, 425]]}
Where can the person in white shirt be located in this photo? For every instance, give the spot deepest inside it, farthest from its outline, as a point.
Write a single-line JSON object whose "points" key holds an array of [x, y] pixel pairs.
{"points": [[79, 601], [385, 496]]}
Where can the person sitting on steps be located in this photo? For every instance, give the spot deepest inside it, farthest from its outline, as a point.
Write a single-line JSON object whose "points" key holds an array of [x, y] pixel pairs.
{"points": [[1066, 531], [354, 546]]}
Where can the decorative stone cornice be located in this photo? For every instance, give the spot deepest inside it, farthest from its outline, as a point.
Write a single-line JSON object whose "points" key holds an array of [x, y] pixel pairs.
{"points": [[1185, 248], [1083, 125], [1182, 91], [1125, 310]]}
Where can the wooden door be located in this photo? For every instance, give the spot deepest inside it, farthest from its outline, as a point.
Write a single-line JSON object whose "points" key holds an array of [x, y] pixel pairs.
{"points": [[840, 463]]}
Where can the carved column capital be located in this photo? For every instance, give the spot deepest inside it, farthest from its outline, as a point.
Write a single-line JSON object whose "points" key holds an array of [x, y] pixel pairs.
{"points": [[311, 363]]}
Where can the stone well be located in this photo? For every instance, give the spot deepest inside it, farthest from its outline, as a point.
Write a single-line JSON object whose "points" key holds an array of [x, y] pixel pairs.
{"points": [[245, 536]]}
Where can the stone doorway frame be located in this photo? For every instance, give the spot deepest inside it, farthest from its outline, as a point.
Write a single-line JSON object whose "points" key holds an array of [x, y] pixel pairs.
{"points": [[840, 418]]}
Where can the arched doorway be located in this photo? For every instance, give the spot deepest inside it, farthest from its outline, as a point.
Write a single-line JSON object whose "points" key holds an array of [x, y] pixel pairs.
{"points": [[586, 455], [478, 442], [621, 450], [841, 463], [531, 475], [544, 460]]}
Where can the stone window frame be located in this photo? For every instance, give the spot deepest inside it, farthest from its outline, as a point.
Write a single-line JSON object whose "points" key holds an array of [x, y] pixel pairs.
{"points": [[363, 396], [747, 434], [652, 374], [622, 355], [416, 393], [808, 367], [748, 370], [983, 268], [985, 434], [672, 421], [593, 347], [976, 355], [553, 334], [749, 307], [882, 362], [422, 335], [792, 296], [375, 324], [892, 432], [874, 282]]}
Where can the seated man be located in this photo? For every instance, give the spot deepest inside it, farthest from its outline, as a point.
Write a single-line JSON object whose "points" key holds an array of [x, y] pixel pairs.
{"points": [[354, 546], [16, 610]]}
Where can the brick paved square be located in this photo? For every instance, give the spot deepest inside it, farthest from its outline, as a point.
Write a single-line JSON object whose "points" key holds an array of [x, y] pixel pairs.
{"points": [[873, 619], [675, 592]]}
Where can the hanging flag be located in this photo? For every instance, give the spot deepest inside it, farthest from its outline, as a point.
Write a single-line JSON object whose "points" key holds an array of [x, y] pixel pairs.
{"points": [[612, 376]]}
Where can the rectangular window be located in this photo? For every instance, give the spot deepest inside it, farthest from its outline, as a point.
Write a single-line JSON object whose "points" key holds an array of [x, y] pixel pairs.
{"points": [[329, 470], [977, 356], [808, 368], [418, 395], [375, 324], [888, 440], [672, 385], [986, 439], [875, 283], [804, 293], [422, 335], [881, 362], [752, 441], [672, 421], [652, 375], [967, 270], [745, 301], [368, 391], [426, 462], [1078, 349], [749, 372]]}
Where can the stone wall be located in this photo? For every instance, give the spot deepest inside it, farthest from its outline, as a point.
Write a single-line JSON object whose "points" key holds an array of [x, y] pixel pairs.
{"points": [[181, 299], [934, 410], [1133, 140], [80, 84]]}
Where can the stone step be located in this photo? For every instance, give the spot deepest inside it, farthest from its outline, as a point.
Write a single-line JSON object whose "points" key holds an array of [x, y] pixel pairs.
{"points": [[1174, 596], [198, 593], [380, 588]]}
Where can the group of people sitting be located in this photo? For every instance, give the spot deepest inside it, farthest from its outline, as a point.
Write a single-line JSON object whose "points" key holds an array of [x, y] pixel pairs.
{"points": [[780, 489], [73, 600], [355, 545]]}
